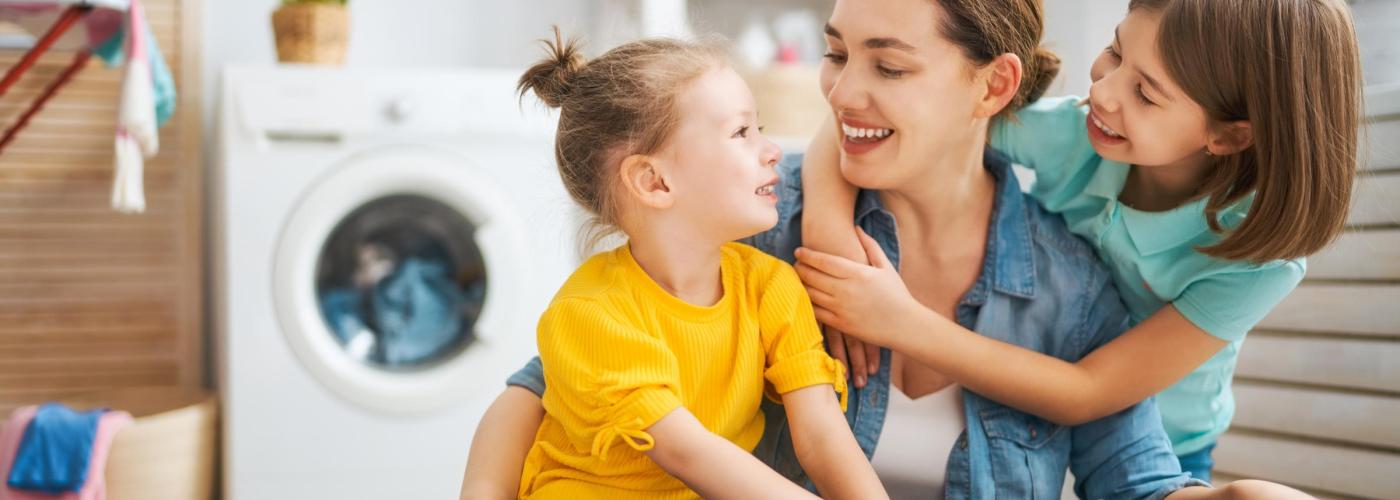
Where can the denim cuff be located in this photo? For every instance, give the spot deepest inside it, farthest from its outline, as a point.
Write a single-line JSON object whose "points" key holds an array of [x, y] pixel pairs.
{"points": [[530, 377], [1183, 482]]}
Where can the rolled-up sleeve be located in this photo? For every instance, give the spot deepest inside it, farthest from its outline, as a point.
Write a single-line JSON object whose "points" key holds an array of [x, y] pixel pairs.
{"points": [[792, 340], [530, 377], [1126, 455]]}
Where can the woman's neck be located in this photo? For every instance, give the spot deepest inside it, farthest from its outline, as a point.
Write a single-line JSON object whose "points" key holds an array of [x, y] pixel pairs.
{"points": [[949, 209], [680, 263]]}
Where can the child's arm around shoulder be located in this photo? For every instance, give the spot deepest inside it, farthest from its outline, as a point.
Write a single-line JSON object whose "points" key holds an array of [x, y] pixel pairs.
{"points": [[1047, 134], [829, 202], [828, 225]]}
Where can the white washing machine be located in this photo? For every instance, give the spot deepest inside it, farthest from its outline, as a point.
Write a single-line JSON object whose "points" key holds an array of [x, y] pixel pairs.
{"points": [[384, 244]]}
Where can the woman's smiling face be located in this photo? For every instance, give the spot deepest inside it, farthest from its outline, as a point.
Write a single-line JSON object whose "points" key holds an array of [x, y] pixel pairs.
{"points": [[902, 93]]}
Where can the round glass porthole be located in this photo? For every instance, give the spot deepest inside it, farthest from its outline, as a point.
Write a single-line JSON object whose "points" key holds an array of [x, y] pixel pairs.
{"points": [[400, 282]]}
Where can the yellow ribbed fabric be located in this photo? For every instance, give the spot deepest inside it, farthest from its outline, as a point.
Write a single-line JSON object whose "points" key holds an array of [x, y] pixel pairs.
{"points": [[620, 352]]}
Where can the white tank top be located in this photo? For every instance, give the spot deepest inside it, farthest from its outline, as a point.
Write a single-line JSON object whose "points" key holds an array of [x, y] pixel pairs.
{"points": [[918, 436]]}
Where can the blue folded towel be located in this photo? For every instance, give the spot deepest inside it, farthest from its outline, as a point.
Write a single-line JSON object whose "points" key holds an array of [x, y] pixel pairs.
{"points": [[55, 450]]}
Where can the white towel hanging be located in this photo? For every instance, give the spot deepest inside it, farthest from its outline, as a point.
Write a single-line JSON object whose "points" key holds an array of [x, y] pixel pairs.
{"points": [[137, 137]]}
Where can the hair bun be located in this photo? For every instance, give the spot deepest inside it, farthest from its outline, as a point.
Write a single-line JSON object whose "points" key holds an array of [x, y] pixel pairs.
{"points": [[1043, 67], [552, 78]]}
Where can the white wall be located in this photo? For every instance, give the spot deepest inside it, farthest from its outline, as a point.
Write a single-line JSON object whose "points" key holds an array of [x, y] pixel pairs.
{"points": [[1078, 31], [396, 33]]}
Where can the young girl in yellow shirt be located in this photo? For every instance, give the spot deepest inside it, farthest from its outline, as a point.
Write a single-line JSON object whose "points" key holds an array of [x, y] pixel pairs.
{"points": [[658, 353]]}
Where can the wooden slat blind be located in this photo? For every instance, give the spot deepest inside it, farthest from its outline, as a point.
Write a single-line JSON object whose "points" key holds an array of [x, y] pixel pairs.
{"points": [[91, 299], [1318, 385]]}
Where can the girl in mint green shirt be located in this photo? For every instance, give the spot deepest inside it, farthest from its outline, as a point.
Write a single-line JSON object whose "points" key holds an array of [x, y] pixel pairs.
{"points": [[1216, 149]]}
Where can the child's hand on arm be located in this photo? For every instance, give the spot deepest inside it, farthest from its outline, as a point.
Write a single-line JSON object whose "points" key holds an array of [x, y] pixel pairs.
{"points": [[868, 301], [828, 216], [825, 446], [872, 303], [502, 440], [713, 466]]}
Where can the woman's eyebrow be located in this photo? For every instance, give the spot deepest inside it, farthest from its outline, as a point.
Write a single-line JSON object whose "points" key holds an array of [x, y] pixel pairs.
{"points": [[875, 43], [832, 31], [889, 43]]}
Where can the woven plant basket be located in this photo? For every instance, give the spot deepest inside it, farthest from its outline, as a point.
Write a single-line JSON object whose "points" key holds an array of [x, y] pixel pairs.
{"points": [[314, 33]]}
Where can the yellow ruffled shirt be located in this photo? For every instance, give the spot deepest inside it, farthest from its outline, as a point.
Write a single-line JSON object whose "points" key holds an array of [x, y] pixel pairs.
{"points": [[620, 353]]}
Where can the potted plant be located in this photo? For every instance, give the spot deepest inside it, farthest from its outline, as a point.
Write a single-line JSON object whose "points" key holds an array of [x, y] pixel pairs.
{"points": [[311, 31]]}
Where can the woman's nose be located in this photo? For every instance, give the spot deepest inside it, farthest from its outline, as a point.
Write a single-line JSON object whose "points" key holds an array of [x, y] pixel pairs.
{"points": [[846, 93]]}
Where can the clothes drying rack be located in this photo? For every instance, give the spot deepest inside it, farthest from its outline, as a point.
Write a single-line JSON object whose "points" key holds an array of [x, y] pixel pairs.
{"points": [[36, 13]]}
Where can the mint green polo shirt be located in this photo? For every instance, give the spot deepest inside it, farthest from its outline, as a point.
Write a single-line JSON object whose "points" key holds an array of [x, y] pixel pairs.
{"points": [[1152, 256]]}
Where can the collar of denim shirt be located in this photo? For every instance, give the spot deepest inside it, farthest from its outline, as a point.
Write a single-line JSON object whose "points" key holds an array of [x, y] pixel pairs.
{"points": [[1009, 264]]}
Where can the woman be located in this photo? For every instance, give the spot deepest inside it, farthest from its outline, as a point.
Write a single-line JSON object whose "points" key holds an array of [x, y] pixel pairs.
{"points": [[920, 82]]}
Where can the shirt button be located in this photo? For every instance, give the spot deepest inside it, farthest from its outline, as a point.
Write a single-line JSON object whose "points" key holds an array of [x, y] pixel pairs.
{"points": [[1214, 406], [962, 443], [1032, 428]]}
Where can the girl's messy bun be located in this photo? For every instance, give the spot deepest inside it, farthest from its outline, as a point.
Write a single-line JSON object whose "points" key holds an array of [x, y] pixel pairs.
{"points": [[619, 104], [552, 78]]}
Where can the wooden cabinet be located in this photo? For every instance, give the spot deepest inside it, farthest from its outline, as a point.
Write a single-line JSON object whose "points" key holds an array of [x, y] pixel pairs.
{"points": [[91, 299]]}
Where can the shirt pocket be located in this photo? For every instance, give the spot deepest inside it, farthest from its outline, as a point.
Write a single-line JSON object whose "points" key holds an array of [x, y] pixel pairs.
{"points": [[1029, 455]]}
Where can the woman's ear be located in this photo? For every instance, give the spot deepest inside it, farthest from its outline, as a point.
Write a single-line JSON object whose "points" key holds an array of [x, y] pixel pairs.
{"points": [[1230, 137], [645, 182], [1001, 80]]}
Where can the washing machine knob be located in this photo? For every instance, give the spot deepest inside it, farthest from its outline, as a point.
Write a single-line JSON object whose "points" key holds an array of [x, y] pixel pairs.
{"points": [[399, 110]]}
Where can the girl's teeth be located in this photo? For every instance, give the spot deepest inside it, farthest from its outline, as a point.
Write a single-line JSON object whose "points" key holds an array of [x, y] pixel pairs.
{"points": [[865, 133], [1107, 131], [765, 190]]}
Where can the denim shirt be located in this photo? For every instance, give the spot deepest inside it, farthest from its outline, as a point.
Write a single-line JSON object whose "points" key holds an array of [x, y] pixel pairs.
{"points": [[1040, 288]]}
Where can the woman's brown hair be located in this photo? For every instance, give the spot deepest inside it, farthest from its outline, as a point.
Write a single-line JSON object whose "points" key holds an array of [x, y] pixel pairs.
{"points": [[1292, 69], [617, 105], [986, 29]]}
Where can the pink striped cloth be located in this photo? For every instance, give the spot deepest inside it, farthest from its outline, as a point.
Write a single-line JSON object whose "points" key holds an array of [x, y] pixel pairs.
{"points": [[12, 431]]}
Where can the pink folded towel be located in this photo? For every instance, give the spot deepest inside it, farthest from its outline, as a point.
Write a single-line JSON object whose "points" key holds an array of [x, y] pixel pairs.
{"points": [[12, 431]]}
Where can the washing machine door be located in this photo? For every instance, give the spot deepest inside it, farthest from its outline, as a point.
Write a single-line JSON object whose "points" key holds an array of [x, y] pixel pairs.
{"points": [[395, 278]]}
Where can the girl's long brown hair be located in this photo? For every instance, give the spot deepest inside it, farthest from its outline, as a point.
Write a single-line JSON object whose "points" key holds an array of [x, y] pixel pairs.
{"points": [[1292, 69]]}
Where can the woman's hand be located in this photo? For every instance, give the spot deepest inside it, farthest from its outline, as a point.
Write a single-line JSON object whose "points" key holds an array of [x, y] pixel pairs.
{"points": [[848, 350], [868, 302]]}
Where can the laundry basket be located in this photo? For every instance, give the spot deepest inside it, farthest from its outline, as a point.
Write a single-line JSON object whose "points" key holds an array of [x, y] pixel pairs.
{"points": [[168, 450]]}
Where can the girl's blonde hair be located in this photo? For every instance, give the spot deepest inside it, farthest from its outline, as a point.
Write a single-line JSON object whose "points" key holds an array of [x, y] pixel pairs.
{"points": [[617, 105], [1292, 69]]}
